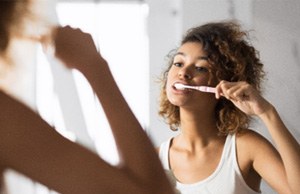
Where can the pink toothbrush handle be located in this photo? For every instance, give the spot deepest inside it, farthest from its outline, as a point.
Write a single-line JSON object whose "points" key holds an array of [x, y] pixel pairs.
{"points": [[207, 89]]}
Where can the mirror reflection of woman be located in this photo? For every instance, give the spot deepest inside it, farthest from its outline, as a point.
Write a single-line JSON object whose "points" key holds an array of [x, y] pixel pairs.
{"points": [[215, 151]]}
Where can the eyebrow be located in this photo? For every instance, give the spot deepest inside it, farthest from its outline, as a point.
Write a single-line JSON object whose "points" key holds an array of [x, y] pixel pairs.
{"points": [[199, 58]]}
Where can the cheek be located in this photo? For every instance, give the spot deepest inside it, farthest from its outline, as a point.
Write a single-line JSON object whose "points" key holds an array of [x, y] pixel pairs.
{"points": [[205, 80], [212, 81], [171, 98], [168, 89]]}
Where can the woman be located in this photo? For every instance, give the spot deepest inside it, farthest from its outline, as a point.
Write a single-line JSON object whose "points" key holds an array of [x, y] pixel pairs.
{"points": [[216, 152], [29, 145]]}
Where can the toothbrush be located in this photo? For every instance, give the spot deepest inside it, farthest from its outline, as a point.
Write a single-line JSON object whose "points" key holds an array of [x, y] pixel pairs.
{"points": [[199, 88]]}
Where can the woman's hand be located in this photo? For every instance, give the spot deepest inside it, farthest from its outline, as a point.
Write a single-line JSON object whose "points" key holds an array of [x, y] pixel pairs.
{"points": [[75, 48], [243, 96]]}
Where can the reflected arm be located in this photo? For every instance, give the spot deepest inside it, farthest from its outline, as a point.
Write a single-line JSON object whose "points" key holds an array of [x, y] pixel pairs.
{"points": [[287, 147]]}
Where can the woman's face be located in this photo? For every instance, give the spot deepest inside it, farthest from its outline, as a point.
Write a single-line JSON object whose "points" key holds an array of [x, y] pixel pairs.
{"points": [[190, 67]]}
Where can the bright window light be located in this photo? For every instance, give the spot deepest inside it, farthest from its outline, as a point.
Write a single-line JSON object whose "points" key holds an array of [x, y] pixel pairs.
{"points": [[120, 33]]}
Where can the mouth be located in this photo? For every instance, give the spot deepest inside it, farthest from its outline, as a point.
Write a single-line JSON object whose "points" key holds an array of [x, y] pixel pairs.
{"points": [[178, 89], [177, 86]]}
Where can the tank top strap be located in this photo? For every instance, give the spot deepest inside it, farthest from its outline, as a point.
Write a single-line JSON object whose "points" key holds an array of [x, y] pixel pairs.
{"points": [[164, 153], [229, 147]]}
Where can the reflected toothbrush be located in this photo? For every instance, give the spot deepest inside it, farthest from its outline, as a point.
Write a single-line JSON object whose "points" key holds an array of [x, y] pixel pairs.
{"points": [[180, 86]]}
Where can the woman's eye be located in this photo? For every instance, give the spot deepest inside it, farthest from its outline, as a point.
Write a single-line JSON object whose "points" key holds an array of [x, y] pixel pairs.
{"points": [[177, 64], [201, 69]]}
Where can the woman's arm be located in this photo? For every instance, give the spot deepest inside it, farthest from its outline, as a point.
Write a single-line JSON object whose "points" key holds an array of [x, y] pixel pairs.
{"points": [[30, 146], [287, 147], [282, 168], [77, 50]]}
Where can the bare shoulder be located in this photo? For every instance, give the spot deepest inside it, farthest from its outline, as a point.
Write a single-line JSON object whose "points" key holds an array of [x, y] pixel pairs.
{"points": [[250, 137], [253, 143]]}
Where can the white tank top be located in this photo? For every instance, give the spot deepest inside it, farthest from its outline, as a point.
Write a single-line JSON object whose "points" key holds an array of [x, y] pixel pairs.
{"points": [[226, 179]]}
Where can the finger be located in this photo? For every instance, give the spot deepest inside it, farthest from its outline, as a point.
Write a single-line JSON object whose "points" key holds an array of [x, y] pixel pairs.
{"points": [[232, 90], [220, 88], [223, 88], [239, 91]]}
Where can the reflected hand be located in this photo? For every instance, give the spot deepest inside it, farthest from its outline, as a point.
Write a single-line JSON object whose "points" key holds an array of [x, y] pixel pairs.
{"points": [[243, 96]]}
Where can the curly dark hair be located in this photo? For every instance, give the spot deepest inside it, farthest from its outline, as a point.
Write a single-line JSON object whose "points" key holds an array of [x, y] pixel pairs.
{"points": [[232, 58], [12, 14]]}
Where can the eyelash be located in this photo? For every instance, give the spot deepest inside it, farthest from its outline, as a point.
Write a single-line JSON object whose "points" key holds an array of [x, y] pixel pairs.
{"points": [[177, 64], [199, 69]]}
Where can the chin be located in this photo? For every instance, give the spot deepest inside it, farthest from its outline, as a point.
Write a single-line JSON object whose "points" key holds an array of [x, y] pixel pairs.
{"points": [[177, 102]]}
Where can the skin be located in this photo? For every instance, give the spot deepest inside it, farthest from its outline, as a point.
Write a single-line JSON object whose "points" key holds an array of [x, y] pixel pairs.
{"points": [[196, 151]]}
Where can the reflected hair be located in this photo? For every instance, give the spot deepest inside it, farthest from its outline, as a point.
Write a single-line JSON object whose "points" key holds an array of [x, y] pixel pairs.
{"points": [[232, 58]]}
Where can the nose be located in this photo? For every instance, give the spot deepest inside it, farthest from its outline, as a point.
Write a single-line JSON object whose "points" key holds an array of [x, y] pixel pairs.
{"points": [[184, 74]]}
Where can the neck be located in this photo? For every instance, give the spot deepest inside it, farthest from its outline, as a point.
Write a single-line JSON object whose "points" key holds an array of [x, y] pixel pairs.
{"points": [[198, 126]]}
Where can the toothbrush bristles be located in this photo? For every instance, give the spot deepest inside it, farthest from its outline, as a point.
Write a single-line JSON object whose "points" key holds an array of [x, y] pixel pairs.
{"points": [[179, 86]]}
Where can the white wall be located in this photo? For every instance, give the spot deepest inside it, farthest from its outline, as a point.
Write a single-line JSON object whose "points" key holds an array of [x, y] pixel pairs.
{"points": [[277, 37]]}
